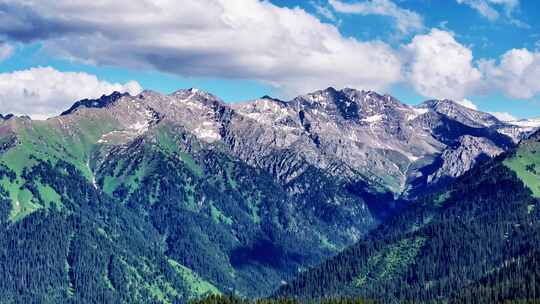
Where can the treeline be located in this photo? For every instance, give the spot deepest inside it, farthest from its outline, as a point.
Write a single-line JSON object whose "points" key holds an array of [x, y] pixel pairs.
{"points": [[230, 299], [461, 243], [160, 226], [91, 250]]}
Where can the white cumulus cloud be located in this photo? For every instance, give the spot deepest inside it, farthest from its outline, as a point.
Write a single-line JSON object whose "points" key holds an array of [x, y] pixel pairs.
{"points": [[468, 104], [407, 21], [438, 66], [43, 92], [516, 74], [6, 50], [504, 116], [287, 48]]}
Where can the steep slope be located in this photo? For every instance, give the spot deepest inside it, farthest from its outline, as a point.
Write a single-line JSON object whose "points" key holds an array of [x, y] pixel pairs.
{"points": [[147, 184], [184, 195], [392, 145], [462, 114], [480, 232], [517, 130], [517, 279]]}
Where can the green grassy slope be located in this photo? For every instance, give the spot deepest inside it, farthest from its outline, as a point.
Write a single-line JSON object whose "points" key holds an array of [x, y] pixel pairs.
{"points": [[46, 141], [525, 162], [158, 217]]}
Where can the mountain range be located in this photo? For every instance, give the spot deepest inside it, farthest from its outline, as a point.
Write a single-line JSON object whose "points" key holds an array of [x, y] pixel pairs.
{"points": [[164, 198]]}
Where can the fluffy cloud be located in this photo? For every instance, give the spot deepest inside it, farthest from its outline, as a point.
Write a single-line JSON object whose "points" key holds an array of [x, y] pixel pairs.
{"points": [[44, 92], [407, 21], [244, 39], [5, 50], [323, 11], [516, 75], [504, 116], [289, 49], [482, 7], [438, 66], [488, 9], [468, 104]]}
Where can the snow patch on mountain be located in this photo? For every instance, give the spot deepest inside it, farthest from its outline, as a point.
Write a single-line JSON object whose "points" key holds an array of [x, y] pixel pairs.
{"points": [[373, 118], [528, 124], [416, 112], [205, 134]]}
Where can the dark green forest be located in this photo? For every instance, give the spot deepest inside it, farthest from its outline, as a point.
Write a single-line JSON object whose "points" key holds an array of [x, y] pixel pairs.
{"points": [[228, 299], [159, 224], [476, 241]]}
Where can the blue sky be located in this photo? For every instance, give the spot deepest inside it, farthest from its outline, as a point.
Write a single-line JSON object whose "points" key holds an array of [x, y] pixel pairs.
{"points": [[271, 48]]}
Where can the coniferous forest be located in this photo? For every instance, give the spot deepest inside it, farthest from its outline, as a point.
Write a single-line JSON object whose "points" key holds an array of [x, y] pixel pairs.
{"points": [[475, 241], [90, 214]]}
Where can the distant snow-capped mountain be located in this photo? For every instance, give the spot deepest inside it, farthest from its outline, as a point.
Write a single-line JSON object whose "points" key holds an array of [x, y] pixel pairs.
{"points": [[527, 124]]}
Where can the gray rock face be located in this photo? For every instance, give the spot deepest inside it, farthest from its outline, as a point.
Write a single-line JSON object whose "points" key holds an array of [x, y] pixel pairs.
{"points": [[461, 158], [462, 114], [359, 135]]}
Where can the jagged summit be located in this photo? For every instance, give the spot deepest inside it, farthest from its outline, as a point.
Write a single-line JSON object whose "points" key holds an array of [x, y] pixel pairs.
{"points": [[270, 98], [193, 92], [101, 102], [6, 116], [534, 135], [344, 131], [463, 114], [192, 96]]}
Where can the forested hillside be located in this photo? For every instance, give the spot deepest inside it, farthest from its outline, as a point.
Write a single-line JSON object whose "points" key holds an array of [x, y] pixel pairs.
{"points": [[115, 202], [168, 198], [124, 236], [475, 241]]}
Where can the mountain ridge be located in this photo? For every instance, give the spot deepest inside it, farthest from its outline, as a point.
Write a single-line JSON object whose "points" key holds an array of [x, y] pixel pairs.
{"points": [[375, 119], [217, 186]]}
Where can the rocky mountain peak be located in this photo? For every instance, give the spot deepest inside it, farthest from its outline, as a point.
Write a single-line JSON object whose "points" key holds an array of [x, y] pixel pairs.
{"points": [[196, 95], [329, 100], [460, 113], [267, 97], [346, 132], [6, 117], [103, 101], [356, 105], [534, 135]]}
